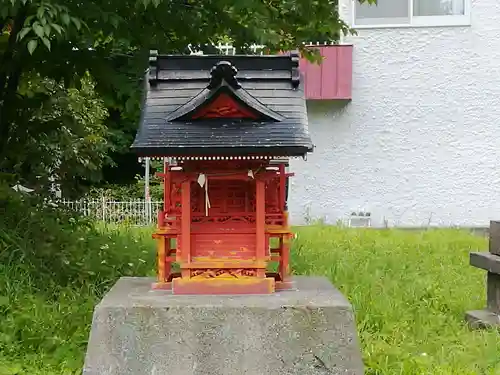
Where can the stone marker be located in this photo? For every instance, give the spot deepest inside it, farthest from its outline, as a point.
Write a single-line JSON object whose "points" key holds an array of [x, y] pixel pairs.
{"points": [[489, 261], [309, 330]]}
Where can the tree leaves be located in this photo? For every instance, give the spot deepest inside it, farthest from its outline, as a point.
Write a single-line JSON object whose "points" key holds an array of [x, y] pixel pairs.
{"points": [[65, 18], [38, 29], [46, 42], [23, 33], [77, 23], [57, 28], [44, 24], [62, 129], [111, 39], [32, 44]]}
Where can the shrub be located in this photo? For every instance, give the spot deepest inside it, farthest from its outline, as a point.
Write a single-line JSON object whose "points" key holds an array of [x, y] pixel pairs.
{"points": [[54, 267]]}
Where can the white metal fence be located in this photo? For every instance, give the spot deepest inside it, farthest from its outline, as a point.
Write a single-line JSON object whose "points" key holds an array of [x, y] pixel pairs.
{"points": [[229, 49], [143, 213], [136, 212]]}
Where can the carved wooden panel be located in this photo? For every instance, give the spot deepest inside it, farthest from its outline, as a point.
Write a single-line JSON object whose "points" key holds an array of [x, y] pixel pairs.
{"points": [[225, 106], [224, 273], [228, 197]]}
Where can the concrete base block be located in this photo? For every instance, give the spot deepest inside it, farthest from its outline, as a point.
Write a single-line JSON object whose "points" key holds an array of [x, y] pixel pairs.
{"points": [[309, 330], [479, 319]]}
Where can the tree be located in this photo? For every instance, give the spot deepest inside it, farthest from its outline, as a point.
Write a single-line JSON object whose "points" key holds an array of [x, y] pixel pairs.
{"points": [[63, 40], [62, 137]]}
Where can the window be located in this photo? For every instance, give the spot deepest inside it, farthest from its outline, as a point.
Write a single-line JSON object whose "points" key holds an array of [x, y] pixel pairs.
{"points": [[394, 13]]}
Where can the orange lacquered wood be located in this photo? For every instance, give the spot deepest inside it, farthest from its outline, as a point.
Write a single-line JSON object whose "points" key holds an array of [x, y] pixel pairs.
{"points": [[225, 250], [225, 264], [161, 260], [166, 187], [225, 176], [224, 286], [285, 260], [185, 245], [166, 258], [260, 222], [282, 192]]}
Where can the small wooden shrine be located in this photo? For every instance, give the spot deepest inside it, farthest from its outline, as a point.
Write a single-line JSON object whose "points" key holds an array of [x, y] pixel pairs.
{"points": [[226, 127]]}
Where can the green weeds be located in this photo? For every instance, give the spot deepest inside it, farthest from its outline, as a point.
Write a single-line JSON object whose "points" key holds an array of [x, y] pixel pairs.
{"points": [[409, 290]]}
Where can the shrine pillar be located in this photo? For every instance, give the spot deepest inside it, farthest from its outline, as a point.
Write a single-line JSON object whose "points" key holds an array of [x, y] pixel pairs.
{"points": [[184, 248], [260, 224]]}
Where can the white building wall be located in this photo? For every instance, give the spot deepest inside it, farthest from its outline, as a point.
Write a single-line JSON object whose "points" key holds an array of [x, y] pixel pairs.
{"points": [[420, 142]]}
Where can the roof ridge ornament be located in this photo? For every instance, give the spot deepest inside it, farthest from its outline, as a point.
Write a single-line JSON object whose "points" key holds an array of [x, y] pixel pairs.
{"points": [[153, 66], [295, 58], [222, 72]]}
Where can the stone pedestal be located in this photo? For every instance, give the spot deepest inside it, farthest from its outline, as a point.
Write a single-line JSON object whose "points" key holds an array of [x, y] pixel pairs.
{"points": [[489, 261], [306, 331]]}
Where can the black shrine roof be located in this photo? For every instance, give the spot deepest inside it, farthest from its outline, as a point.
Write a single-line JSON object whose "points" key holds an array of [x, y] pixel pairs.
{"points": [[268, 118]]}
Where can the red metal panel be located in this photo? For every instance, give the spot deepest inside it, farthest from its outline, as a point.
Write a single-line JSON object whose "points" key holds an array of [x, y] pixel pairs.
{"points": [[333, 78], [331, 72], [344, 72], [312, 79]]}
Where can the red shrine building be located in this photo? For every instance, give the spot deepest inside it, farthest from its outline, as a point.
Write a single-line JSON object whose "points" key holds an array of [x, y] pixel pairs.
{"points": [[226, 126]]}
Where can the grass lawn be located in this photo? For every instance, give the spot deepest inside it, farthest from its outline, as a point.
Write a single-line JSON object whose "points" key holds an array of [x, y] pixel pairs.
{"points": [[409, 290]]}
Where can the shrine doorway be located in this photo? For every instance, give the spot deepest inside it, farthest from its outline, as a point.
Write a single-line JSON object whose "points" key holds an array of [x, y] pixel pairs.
{"points": [[223, 220]]}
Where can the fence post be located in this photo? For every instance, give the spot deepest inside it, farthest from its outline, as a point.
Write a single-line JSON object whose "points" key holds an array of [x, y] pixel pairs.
{"points": [[150, 211], [147, 195], [103, 208], [489, 261]]}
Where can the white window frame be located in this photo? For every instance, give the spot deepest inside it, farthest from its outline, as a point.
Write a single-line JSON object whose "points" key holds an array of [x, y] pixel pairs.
{"points": [[416, 21]]}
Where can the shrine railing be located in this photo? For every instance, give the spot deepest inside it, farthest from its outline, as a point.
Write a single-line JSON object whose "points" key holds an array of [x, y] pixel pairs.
{"points": [[236, 218]]}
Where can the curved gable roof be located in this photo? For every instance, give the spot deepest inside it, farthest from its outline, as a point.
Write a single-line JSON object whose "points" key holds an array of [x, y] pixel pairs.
{"points": [[178, 86]]}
